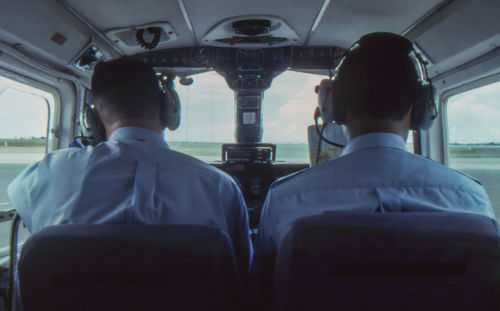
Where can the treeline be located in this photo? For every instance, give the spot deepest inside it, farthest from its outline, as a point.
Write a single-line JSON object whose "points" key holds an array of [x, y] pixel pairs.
{"points": [[474, 151], [22, 142], [476, 144]]}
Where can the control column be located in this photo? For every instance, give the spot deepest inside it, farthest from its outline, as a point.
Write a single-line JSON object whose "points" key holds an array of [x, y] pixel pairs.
{"points": [[248, 117]]}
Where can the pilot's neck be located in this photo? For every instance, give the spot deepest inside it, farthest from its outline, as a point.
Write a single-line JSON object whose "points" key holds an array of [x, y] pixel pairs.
{"points": [[355, 127], [152, 125]]}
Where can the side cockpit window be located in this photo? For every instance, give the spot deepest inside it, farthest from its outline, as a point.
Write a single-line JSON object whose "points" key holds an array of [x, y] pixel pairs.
{"points": [[24, 119], [474, 137]]}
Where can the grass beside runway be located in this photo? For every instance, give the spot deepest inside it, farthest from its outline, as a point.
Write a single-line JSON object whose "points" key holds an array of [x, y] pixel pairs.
{"points": [[474, 151], [297, 151], [24, 142]]}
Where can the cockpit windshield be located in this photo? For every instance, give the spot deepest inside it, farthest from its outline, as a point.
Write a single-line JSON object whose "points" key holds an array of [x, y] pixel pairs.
{"points": [[208, 111], [207, 117]]}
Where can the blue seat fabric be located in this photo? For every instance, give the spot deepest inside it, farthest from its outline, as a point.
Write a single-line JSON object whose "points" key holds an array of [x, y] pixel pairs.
{"points": [[389, 261], [129, 267]]}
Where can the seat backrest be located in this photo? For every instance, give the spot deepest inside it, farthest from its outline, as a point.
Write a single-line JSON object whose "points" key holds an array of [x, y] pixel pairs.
{"points": [[128, 267], [389, 261]]}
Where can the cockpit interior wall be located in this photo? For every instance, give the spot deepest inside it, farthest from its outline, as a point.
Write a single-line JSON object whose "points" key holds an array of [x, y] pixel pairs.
{"points": [[51, 48]]}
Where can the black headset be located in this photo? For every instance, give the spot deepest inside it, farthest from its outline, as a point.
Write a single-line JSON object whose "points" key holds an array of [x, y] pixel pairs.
{"points": [[170, 104], [92, 128], [332, 108]]}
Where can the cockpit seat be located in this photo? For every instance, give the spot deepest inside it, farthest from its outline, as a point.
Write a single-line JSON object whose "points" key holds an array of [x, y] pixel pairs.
{"points": [[128, 267], [389, 261]]}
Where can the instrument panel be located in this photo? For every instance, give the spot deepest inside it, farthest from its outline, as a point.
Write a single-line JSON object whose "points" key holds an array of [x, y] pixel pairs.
{"points": [[249, 72], [245, 59], [254, 180]]}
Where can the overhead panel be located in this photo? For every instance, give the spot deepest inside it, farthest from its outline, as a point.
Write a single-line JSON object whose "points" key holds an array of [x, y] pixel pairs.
{"points": [[298, 14], [45, 29], [345, 21], [460, 32], [112, 15], [251, 31]]}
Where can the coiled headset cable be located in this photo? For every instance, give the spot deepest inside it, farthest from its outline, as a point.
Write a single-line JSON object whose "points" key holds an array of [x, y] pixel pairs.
{"points": [[320, 132]]}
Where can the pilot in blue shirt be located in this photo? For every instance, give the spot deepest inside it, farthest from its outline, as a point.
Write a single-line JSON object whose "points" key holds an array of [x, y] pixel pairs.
{"points": [[375, 173], [133, 176], [379, 94]]}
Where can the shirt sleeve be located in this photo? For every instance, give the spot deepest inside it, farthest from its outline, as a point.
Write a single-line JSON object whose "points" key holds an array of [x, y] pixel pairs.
{"points": [[265, 253], [484, 202], [24, 188], [238, 224]]}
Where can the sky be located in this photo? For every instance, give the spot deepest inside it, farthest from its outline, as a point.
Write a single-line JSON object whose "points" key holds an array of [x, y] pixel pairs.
{"points": [[207, 111], [473, 116], [23, 110], [288, 108]]}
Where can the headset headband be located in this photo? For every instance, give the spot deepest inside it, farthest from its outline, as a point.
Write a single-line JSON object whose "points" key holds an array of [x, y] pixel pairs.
{"points": [[330, 100]]}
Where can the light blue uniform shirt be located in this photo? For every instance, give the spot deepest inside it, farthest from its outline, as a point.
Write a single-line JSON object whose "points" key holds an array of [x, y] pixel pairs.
{"points": [[374, 174], [131, 178]]}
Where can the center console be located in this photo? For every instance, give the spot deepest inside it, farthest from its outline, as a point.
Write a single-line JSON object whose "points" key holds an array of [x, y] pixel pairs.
{"points": [[254, 169]]}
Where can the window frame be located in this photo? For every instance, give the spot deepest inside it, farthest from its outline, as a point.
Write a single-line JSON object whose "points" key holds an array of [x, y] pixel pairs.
{"points": [[476, 84], [53, 106], [53, 124]]}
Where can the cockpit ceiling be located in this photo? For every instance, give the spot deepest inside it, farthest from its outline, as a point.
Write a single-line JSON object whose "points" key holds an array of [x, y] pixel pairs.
{"points": [[114, 14], [343, 22], [106, 15], [448, 32]]}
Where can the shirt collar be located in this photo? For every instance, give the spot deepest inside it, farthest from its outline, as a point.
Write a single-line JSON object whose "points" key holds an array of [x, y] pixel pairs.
{"points": [[375, 140], [137, 133]]}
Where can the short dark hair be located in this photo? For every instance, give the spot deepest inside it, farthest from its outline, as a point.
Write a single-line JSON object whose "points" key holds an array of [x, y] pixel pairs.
{"points": [[378, 79], [125, 88]]}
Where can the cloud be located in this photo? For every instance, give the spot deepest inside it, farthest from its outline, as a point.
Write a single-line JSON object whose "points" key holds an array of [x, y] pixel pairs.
{"points": [[22, 114], [208, 109], [209, 87], [290, 121], [220, 132], [473, 116]]}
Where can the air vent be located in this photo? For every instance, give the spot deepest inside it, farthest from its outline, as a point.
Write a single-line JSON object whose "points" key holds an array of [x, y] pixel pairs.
{"points": [[88, 58], [266, 40], [126, 38], [252, 27], [251, 31]]}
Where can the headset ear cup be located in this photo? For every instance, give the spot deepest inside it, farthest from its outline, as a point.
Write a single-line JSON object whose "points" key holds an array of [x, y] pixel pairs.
{"points": [[425, 110], [430, 111], [324, 91], [164, 99], [170, 110], [173, 111], [91, 126], [338, 106]]}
